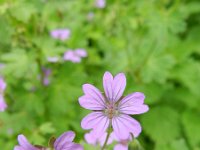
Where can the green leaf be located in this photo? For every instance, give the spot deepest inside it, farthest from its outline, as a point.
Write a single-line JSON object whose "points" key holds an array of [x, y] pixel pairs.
{"points": [[191, 126], [47, 128], [188, 74], [23, 11], [16, 62], [161, 124], [157, 68]]}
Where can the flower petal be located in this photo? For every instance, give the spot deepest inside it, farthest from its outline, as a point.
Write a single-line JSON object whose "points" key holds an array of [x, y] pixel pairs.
{"points": [[69, 146], [89, 103], [81, 52], [64, 138], [2, 85], [121, 147], [70, 56], [76, 147], [96, 121], [133, 104], [114, 88], [107, 84], [119, 84], [92, 139], [19, 148], [23, 142], [3, 104], [93, 99], [123, 125]]}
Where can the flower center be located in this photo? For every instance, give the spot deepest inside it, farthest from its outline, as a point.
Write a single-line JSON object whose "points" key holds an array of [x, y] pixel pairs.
{"points": [[111, 110]]}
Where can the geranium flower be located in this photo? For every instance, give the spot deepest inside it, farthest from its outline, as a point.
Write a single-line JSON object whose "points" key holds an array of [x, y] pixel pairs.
{"points": [[75, 56], [46, 73], [24, 144], [64, 142], [61, 34], [111, 108], [3, 104], [100, 3]]}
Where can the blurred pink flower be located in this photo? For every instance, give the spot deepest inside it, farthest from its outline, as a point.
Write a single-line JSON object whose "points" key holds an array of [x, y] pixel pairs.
{"points": [[64, 142], [61, 34], [46, 74], [2, 85], [24, 144], [100, 3], [75, 55], [112, 108], [3, 104]]}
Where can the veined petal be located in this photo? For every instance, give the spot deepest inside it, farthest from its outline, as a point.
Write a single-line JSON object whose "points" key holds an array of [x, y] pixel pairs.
{"points": [[96, 121], [94, 95], [107, 84], [19, 148], [23, 142], [114, 87], [133, 104], [90, 103], [76, 147], [119, 84], [123, 125], [69, 146], [64, 138]]}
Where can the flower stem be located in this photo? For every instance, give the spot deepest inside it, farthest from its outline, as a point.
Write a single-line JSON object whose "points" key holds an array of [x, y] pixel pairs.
{"points": [[107, 137]]}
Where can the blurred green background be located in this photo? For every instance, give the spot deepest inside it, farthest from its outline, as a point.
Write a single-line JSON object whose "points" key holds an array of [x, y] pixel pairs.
{"points": [[156, 43]]}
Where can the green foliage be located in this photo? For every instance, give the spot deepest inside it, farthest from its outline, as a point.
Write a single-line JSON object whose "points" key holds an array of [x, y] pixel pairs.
{"points": [[156, 43]]}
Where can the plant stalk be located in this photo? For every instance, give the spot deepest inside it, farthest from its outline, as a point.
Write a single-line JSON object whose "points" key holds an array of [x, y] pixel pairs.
{"points": [[107, 137]]}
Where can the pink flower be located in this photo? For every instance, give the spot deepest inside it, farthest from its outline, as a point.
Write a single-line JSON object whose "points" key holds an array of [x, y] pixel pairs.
{"points": [[61, 34], [3, 104], [24, 144], [112, 108], [64, 142], [2, 85], [46, 74], [75, 56], [100, 3]]}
